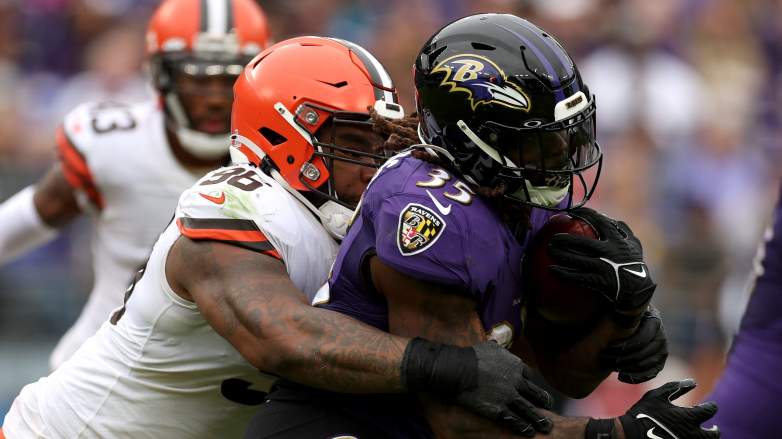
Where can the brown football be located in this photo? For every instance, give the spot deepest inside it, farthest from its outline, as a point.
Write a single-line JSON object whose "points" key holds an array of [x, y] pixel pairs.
{"points": [[557, 301]]}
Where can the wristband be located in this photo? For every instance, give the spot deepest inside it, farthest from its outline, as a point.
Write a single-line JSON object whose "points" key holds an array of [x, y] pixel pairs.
{"points": [[600, 429], [439, 368]]}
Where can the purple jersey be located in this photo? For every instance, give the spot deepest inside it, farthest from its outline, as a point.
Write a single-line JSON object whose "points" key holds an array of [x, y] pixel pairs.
{"points": [[425, 222], [749, 395]]}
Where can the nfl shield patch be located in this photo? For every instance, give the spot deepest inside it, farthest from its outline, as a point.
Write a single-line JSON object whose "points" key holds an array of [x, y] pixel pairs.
{"points": [[419, 228]]}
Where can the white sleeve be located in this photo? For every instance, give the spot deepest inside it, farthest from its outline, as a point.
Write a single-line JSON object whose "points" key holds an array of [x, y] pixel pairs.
{"points": [[75, 145], [242, 206], [21, 227], [216, 210]]}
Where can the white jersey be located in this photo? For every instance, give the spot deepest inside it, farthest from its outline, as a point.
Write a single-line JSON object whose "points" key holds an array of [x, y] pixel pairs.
{"points": [[158, 369], [120, 163]]}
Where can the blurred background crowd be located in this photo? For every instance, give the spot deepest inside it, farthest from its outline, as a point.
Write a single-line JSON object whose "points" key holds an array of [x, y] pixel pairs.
{"points": [[688, 98]]}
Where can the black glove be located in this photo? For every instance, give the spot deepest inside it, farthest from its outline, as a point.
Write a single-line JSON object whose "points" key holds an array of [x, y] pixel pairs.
{"points": [[654, 416], [642, 356], [485, 379], [612, 266]]}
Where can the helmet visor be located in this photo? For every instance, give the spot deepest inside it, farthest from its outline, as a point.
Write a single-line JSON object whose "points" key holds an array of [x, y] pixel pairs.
{"points": [[562, 146], [543, 159]]}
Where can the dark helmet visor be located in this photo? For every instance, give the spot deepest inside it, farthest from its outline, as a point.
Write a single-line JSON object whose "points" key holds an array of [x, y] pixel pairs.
{"points": [[547, 155], [560, 147]]}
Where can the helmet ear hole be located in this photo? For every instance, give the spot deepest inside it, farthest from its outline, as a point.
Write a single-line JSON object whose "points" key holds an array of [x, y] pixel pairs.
{"points": [[273, 137]]}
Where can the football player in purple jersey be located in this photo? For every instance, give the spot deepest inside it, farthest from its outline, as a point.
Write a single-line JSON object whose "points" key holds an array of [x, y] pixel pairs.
{"points": [[756, 354], [435, 249]]}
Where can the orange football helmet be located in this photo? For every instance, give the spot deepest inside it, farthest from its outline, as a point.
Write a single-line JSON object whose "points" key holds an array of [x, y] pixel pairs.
{"points": [[201, 38], [291, 90]]}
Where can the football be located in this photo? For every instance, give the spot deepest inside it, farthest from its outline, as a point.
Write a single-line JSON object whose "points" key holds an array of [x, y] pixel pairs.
{"points": [[556, 301]]}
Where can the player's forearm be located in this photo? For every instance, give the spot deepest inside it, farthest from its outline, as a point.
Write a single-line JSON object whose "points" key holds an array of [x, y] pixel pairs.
{"points": [[447, 319], [453, 422], [569, 427], [449, 421], [249, 299], [331, 351], [21, 227]]}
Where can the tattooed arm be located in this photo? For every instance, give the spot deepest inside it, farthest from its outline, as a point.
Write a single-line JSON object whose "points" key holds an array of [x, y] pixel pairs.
{"points": [[249, 299], [432, 311]]}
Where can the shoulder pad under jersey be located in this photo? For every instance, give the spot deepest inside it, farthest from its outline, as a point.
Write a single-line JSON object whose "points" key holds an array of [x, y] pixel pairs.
{"points": [[223, 206]]}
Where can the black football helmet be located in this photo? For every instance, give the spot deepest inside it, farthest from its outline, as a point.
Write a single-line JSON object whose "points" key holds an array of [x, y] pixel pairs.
{"points": [[504, 103]]}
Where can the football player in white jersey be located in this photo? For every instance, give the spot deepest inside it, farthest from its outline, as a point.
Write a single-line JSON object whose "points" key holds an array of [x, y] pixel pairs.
{"points": [[127, 165], [226, 290]]}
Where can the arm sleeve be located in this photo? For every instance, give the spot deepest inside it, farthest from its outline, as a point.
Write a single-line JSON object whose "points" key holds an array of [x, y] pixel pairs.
{"points": [[21, 228]]}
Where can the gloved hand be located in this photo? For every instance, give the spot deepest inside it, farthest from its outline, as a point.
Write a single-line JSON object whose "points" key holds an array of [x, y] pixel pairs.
{"points": [[504, 392], [642, 356], [612, 266], [485, 379], [654, 416]]}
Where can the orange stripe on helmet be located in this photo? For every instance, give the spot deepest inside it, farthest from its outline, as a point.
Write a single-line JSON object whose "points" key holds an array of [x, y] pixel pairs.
{"points": [[177, 23]]}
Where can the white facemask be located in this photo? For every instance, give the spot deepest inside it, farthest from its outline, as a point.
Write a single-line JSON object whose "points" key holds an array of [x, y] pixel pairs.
{"points": [[543, 195], [203, 146]]}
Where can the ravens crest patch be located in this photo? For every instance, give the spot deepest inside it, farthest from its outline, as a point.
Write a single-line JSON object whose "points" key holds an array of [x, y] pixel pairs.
{"points": [[419, 228]]}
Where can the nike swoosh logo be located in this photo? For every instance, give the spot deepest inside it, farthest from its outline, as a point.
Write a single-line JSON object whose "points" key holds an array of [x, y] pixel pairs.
{"points": [[649, 433], [443, 209], [216, 200], [339, 84], [641, 273]]}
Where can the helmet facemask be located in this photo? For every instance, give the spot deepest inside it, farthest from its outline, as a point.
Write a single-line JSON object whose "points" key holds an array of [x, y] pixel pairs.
{"points": [[544, 164], [539, 164], [312, 121], [344, 137]]}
